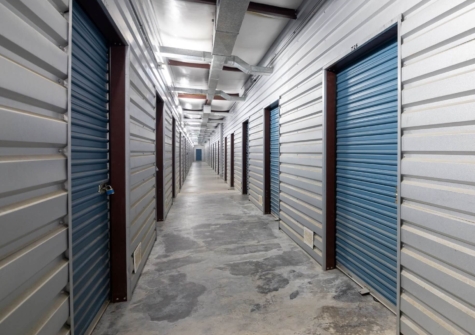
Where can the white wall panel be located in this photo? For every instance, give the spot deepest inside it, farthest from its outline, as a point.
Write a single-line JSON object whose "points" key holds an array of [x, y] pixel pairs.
{"points": [[34, 236], [437, 167]]}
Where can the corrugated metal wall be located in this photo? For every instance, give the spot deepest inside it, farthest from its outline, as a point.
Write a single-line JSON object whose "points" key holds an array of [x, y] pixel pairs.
{"points": [[238, 158], [183, 159], [167, 160], [256, 159], [177, 162], [438, 169], [301, 163], [34, 183]]}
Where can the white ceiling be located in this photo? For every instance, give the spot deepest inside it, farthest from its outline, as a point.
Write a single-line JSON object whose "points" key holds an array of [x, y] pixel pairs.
{"points": [[188, 25]]}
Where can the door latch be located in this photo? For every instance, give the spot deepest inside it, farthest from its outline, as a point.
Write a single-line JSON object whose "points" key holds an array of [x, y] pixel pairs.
{"points": [[107, 189]]}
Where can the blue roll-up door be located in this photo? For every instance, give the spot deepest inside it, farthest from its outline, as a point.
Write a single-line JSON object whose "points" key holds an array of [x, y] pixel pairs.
{"points": [[274, 162], [198, 155], [90, 168], [367, 123]]}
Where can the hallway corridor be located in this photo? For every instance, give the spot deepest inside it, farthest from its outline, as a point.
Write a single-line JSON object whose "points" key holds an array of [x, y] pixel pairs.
{"points": [[221, 267]]}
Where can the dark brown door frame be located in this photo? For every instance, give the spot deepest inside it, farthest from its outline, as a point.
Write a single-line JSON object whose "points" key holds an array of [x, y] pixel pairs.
{"points": [[267, 191], [159, 153], [231, 168], [118, 119], [118, 173], [226, 158], [173, 157], [245, 135], [179, 159], [330, 166]]}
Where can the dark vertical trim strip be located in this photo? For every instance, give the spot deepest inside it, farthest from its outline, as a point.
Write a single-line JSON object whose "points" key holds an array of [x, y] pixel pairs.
{"points": [[226, 159], [218, 156], [267, 194], [173, 157], [179, 159], [244, 156], [232, 160], [159, 160], [331, 171], [118, 173]]}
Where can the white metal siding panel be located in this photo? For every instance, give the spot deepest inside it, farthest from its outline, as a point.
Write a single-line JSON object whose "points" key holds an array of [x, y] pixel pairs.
{"points": [[437, 168], [142, 158], [238, 158], [301, 161], [167, 160], [183, 160], [33, 169], [221, 152], [177, 162], [256, 159]]}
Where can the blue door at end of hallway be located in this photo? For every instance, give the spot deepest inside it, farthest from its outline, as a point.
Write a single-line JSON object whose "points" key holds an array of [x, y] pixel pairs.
{"points": [[89, 169], [198, 155]]}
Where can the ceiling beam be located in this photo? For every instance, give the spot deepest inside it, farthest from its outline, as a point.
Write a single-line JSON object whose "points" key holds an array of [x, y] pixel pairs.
{"points": [[197, 111], [259, 8], [207, 57], [274, 11], [209, 95], [202, 96], [172, 62]]}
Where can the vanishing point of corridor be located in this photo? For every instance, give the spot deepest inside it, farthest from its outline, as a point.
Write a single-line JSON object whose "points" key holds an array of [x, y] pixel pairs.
{"points": [[221, 267]]}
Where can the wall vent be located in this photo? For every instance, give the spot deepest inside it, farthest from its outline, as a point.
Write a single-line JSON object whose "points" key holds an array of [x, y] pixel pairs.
{"points": [[308, 237]]}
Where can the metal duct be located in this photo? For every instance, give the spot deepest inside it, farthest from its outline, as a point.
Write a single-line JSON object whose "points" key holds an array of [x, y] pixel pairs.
{"points": [[229, 17]]}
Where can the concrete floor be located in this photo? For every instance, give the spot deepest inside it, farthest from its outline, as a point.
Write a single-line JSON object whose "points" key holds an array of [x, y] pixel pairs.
{"points": [[221, 267]]}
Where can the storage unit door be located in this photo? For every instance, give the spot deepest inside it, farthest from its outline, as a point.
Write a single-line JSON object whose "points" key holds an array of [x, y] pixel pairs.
{"points": [[274, 162], [248, 160], [366, 171], [198, 155], [90, 168]]}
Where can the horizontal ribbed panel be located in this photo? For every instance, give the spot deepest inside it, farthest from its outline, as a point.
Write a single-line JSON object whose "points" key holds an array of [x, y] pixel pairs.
{"points": [[89, 168], [274, 162], [437, 167], [33, 169], [366, 170], [300, 163]]}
